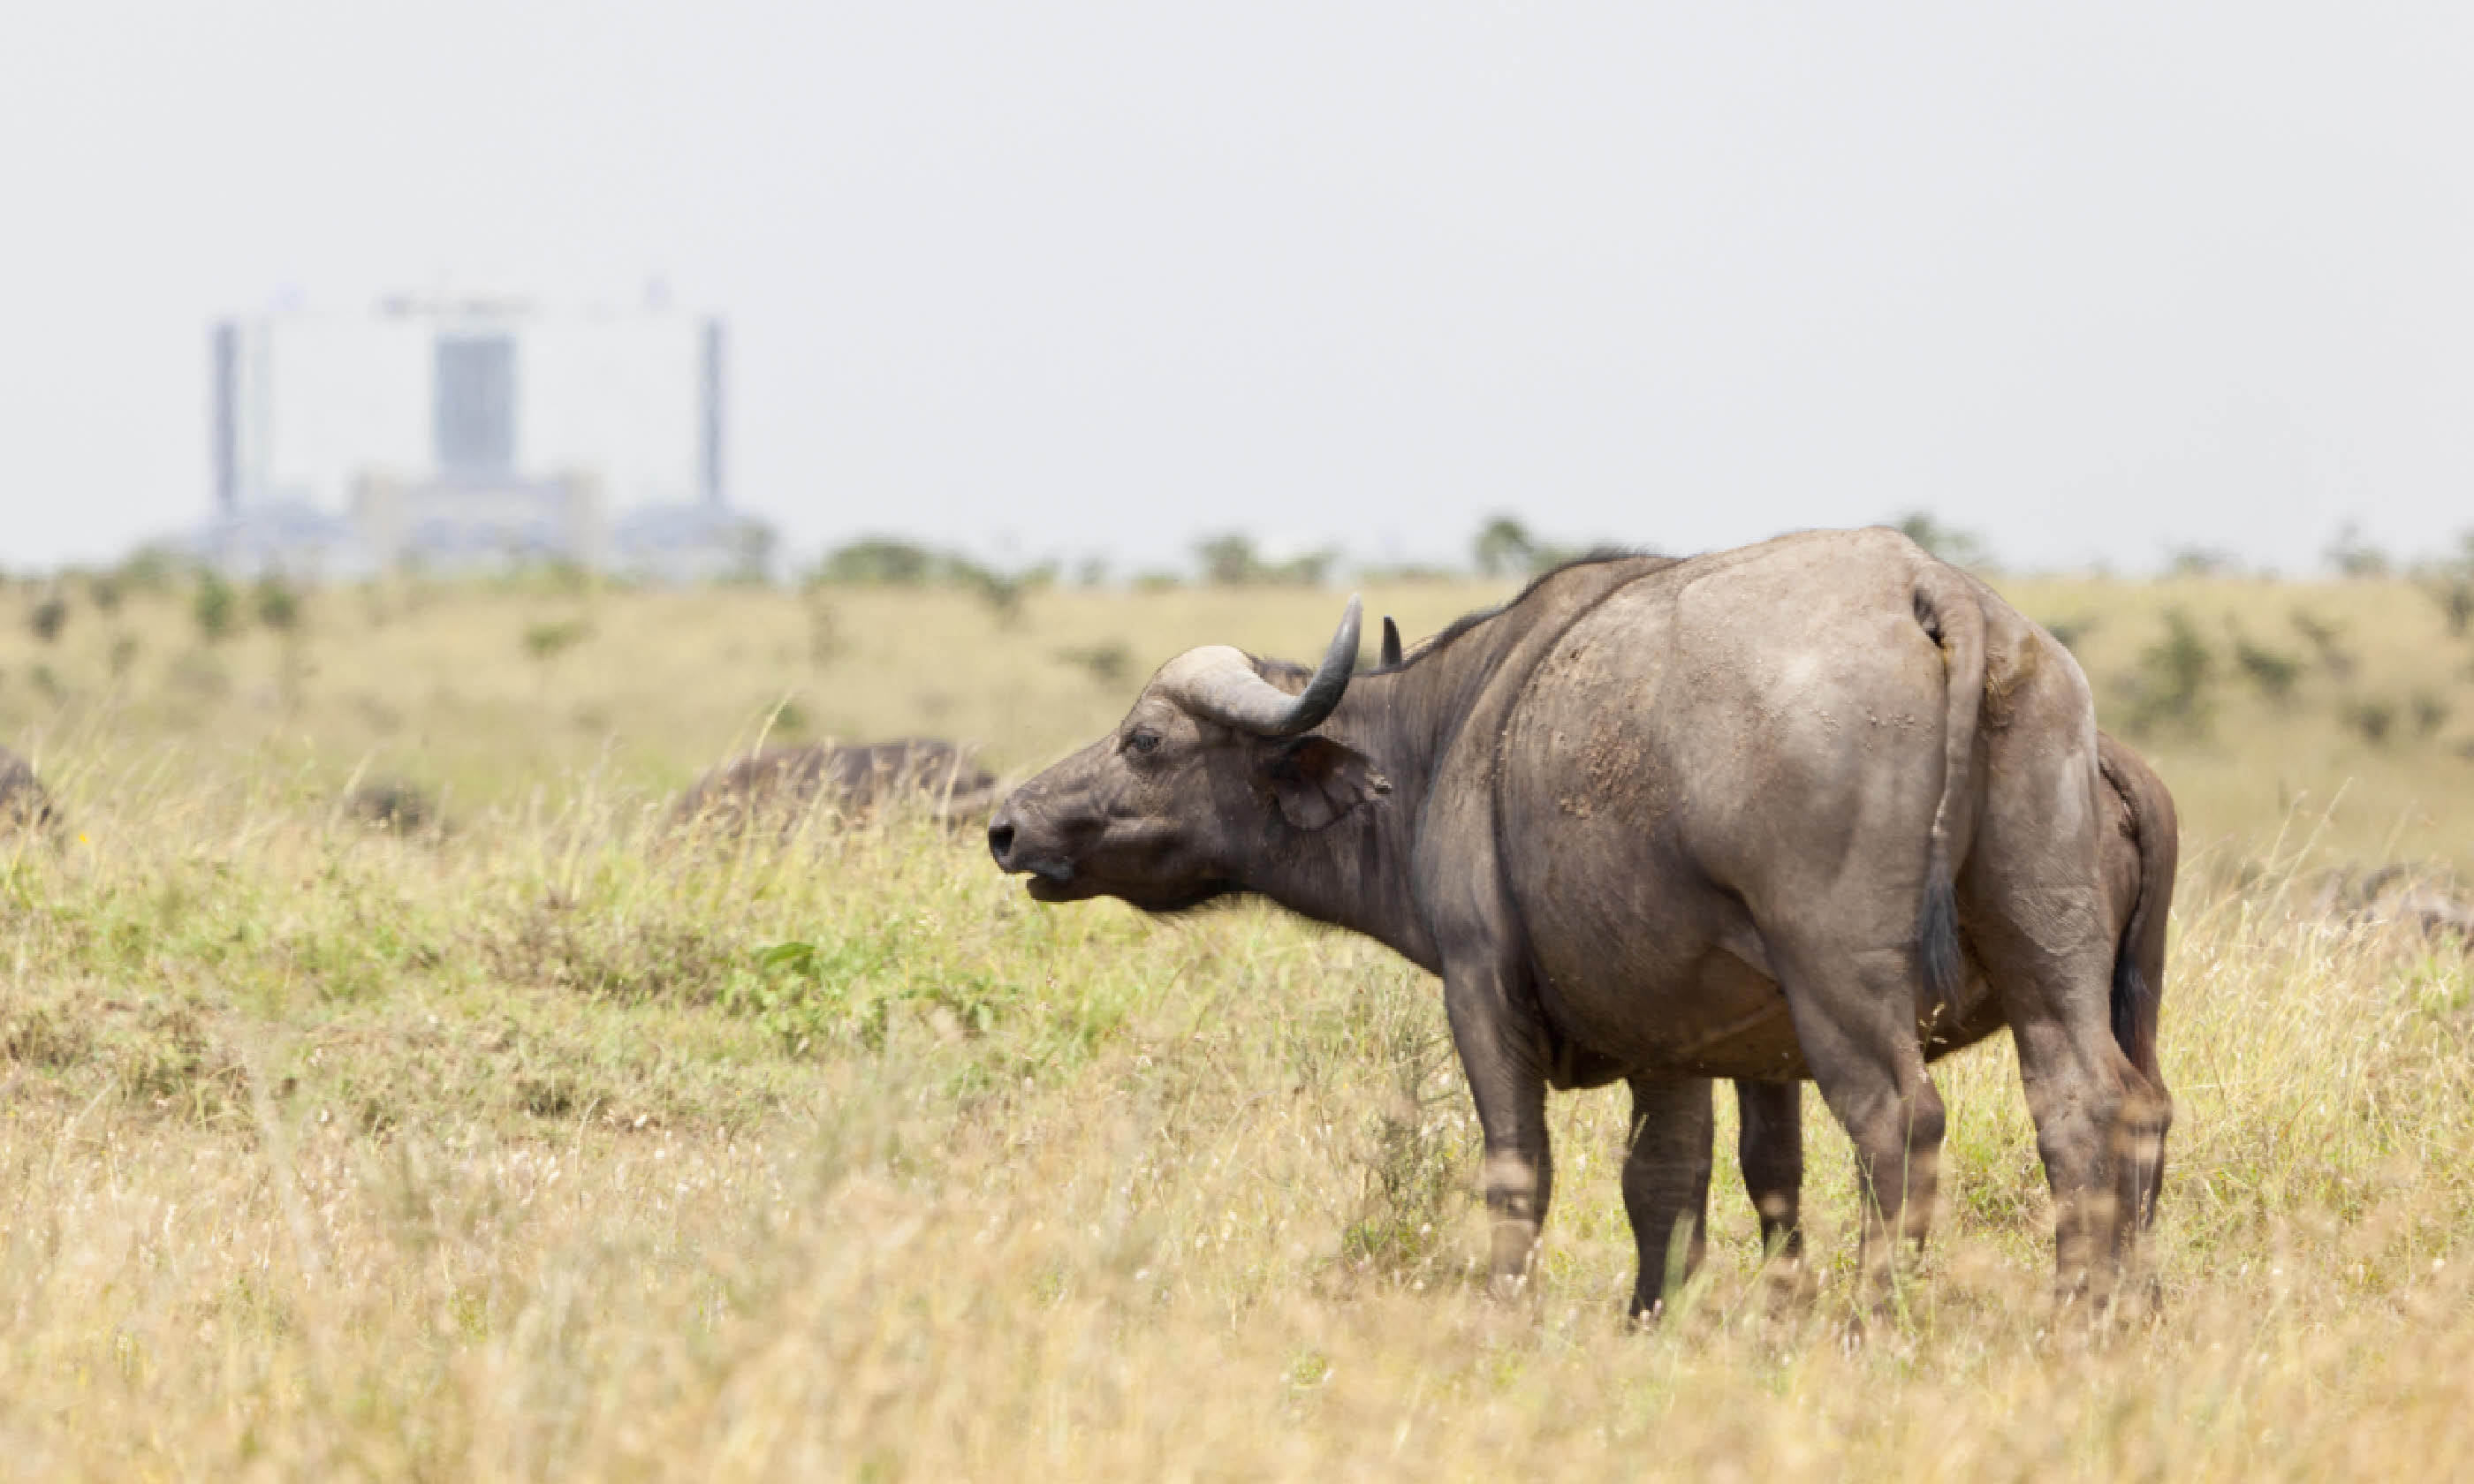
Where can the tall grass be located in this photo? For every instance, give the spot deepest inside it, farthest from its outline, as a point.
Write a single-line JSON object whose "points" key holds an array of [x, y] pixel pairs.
{"points": [[544, 1144]]}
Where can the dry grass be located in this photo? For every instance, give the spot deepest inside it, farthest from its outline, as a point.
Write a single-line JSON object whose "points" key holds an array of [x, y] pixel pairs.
{"points": [[538, 1147]]}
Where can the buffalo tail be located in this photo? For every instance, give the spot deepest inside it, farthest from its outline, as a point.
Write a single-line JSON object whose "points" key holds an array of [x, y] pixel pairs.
{"points": [[1946, 605], [2139, 958]]}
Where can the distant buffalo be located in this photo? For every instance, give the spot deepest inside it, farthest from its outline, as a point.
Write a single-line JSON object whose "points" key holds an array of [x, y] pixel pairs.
{"points": [[2429, 902], [24, 803], [783, 783], [1811, 809]]}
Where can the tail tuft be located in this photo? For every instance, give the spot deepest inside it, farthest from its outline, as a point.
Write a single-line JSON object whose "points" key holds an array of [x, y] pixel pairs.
{"points": [[1937, 933], [2134, 1006]]}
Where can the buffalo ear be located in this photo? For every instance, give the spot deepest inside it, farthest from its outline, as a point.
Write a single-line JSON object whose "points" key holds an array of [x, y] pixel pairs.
{"points": [[1317, 780]]}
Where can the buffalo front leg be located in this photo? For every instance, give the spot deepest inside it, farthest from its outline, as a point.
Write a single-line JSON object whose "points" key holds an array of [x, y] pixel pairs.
{"points": [[1666, 1185], [1769, 1147], [1501, 1050]]}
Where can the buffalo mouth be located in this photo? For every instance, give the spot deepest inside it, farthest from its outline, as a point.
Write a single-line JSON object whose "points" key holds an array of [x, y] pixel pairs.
{"points": [[1053, 884]]}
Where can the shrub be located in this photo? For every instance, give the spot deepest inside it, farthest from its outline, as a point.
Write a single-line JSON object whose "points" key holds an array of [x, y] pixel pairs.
{"points": [[878, 560], [2324, 639], [2372, 719], [2068, 632], [48, 615], [2450, 583], [2354, 557], [277, 604], [2273, 672], [547, 641], [1110, 664], [214, 606], [2175, 678], [1957, 547], [1504, 548], [2199, 561], [1231, 560]]}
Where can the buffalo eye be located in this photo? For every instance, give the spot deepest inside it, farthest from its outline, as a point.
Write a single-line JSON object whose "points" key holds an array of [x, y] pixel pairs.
{"points": [[1142, 740]]}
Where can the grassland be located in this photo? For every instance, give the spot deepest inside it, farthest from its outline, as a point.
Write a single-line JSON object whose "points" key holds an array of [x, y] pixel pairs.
{"points": [[532, 1144]]}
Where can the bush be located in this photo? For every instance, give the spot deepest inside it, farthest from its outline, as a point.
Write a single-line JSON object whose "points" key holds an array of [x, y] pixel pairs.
{"points": [[547, 641], [2175, 678], [2450, 583], [2273, 672], [1957, 547], [278, 605], [2069, 632], [879, 562], [2324, 639], [2199, 561], [2372, 719], [48, 615], [1111, 665], [215, 607], [2354, 557], [885, 561], [1231, 560]]}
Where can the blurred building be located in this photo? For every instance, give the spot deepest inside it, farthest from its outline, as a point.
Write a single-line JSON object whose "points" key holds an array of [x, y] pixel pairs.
{"points": [[454, 434]]}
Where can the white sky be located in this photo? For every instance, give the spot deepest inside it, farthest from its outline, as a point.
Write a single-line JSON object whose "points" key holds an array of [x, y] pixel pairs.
{"points": [[1051, 278]]}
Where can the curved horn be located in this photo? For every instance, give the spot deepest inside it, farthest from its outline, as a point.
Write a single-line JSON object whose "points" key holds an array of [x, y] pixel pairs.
{"points": [[1391, 655], [1221, 685]]}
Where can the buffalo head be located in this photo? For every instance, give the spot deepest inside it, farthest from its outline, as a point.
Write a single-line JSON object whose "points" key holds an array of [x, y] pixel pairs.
{"points": [[1218, 767]]}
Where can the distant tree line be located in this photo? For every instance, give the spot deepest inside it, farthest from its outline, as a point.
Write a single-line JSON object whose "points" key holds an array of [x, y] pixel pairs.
{"points": [[1503, 548]]}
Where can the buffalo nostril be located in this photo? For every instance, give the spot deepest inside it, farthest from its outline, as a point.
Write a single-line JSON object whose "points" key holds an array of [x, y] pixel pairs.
{"points": [[1000, 840]]}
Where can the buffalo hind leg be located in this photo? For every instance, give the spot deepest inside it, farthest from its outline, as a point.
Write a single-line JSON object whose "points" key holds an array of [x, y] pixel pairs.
{"points": [[1769, 1149], [1855, 1020], [1499, 1052], [2095, 1132], [1666, 1184]]}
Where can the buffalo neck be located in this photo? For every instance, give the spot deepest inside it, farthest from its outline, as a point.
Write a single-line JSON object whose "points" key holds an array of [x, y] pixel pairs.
{"points": [[1354, 872], [1359, 871]]}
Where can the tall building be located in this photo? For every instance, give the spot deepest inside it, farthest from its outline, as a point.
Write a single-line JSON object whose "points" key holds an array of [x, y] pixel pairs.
{"points": [[463, 433]]}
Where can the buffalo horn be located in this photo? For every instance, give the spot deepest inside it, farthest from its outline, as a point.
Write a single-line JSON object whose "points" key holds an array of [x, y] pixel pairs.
{"points": [[1219, 684], [1391, 642]]}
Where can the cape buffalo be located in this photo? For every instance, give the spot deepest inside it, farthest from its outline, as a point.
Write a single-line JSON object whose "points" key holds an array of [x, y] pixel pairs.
{"points": [[2139, 854], [1798, 810], [786, 781]]}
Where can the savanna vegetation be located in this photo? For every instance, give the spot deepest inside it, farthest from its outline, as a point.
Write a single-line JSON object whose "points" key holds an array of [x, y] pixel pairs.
{"points": [[386, 1094]]}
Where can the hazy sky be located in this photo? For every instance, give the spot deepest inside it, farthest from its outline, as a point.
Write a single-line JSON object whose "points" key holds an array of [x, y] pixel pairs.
{"points": [[1050, 279]]}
